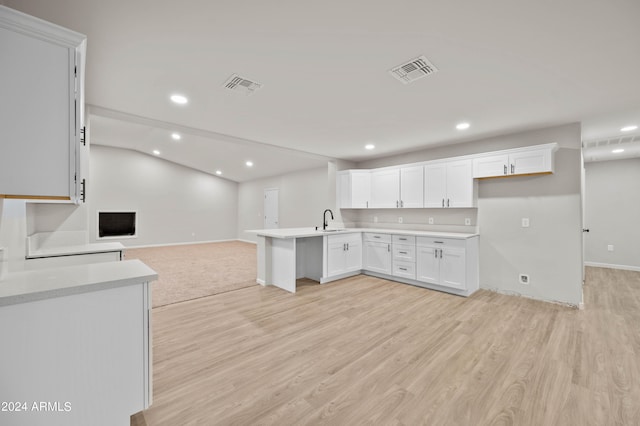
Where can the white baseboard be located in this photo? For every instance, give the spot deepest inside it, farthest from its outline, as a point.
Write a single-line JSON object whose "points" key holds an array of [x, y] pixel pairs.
{"points": [[526, 296], [247, 241], [261, 282], [612, 266]]}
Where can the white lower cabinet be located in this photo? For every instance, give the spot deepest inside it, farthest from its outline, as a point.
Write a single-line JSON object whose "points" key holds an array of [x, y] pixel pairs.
{"points": [[444, 262], [344, 253], [377, 257]]}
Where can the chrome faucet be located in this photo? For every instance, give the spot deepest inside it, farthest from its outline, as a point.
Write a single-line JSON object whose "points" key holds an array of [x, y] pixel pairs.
{"points": [[324, 218]]}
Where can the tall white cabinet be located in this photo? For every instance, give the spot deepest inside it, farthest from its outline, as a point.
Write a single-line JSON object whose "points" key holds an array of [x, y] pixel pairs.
{"points": [[41, 109]]}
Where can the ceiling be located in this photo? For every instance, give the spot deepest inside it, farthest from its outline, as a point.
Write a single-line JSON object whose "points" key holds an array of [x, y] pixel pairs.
{"points": [[323, 66]]}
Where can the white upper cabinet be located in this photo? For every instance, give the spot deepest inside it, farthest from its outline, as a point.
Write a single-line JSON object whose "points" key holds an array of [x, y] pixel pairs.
{"points": [[40, 108], [449, 184], [354, 189], [521, 161], [385, 188], [412, 187]]}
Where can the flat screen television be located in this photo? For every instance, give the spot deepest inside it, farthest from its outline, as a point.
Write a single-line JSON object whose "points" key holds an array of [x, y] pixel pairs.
{"points": [[116, 224]]}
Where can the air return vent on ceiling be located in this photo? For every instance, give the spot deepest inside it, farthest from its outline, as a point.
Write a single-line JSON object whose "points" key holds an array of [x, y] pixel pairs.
{"points": [[413, 70], [242, 85]]}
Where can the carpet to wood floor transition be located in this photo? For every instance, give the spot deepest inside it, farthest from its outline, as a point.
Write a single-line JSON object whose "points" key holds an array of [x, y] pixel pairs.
{"points": [[192, 271]]}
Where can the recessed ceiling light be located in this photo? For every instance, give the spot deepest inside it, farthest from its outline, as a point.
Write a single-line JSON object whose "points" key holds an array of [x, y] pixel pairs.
{"points": [[218, 172], [176, 136], [462, 126], [369, 146], [628, 128], [156, 152], [618, 151], [179, 99], [249, 163]]}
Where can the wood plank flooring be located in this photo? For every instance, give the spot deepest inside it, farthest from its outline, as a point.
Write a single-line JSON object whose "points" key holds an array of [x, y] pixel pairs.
{"points": [[365, 351]]}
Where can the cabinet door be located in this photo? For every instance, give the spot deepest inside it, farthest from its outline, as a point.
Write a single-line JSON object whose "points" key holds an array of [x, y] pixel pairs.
{"points": [[377, 257], [360, 189], [533, 161], [385, 188], [38, 114], [353, 255], [453, 268], [491, 166], [435, 185], [412, 187], [343, 190], [336, 259], [427, 264], [460, 184]]}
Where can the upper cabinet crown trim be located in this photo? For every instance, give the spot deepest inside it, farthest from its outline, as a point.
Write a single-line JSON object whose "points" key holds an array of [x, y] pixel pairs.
{"points": [[20, 22]]}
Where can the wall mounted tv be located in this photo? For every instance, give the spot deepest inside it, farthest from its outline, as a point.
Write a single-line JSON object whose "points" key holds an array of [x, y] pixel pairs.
{"points": [[116, 224]]}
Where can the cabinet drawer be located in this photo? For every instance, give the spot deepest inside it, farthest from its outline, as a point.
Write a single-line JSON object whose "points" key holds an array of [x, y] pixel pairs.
{"points": [[404, 252], [440, 242], [404, 239], [344, 238], [371, 236], [404, 269]]}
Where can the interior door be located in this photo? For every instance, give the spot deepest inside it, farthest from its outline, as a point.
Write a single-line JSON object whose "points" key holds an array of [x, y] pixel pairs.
{"points": [[271, 208]]}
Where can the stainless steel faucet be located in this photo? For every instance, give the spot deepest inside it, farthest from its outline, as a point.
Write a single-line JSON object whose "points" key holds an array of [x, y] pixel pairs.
{"points": [[324, 218]]}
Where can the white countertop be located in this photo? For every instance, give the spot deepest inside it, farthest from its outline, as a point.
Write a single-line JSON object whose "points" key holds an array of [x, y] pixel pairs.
{"points": [[75, 250], [29, 286], [311, 232]]}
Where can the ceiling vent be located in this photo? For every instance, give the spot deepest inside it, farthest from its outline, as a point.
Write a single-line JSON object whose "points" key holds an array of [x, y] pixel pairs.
{"points": [[241, 84], [413, 70]]}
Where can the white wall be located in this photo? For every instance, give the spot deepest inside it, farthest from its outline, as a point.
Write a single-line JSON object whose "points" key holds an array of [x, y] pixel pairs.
{"points": [[612, 212], [550, 250], [303, 196], [175, 204]]}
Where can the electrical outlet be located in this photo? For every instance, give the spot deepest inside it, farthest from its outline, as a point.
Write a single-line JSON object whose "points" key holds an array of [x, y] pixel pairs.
{"points": [[610, 247], [523, 279], [399, 219], [375, 219], [467, 221], [430, 221], [525, 222]]}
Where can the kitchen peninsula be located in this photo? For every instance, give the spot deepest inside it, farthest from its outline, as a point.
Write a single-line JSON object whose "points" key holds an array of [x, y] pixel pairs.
{"points": [[76, 338], [445, 261]]}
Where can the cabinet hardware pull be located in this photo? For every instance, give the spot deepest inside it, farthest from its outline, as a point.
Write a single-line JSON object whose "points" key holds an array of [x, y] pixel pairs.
{"points": [[403, 269], [397, 204], [513, 168], [401, 203], [83, 138], [376, 236], [347, 246], [443, 202], [447, 202], [402, 252], [440, 253], [388, 247], [344, 246], [505, 169], [367, 204], [435, 252], [439, 242], [83, 191]]}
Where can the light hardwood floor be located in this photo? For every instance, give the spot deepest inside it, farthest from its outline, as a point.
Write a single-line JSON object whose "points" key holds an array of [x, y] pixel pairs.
{"points": [[369, 351]]}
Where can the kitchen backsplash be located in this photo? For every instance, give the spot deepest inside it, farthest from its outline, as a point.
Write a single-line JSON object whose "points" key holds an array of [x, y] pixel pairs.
{"points": [[444, 220]]}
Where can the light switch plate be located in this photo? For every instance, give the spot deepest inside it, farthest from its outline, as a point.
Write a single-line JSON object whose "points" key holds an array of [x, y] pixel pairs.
{"points": [[610, 247]]}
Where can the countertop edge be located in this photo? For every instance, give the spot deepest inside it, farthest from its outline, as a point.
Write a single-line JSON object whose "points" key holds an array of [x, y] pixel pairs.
{"points": [[131, 272], [304, 233], [76, 250]]}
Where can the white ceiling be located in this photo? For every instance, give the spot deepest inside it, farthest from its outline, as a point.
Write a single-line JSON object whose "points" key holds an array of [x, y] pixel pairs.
{"points": [[504, 66]]}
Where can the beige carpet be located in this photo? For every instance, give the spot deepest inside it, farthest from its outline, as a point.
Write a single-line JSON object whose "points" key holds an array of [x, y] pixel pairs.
{"points": [[198, 270]]}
